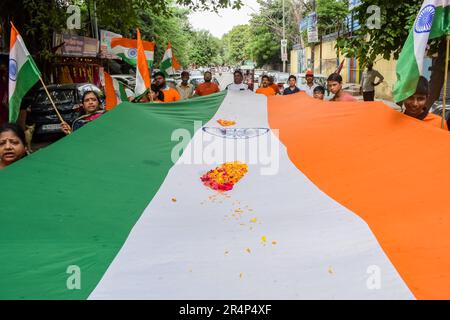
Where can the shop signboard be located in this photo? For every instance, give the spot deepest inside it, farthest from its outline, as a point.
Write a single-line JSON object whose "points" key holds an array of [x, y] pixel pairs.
{"points": [[75, 46]]}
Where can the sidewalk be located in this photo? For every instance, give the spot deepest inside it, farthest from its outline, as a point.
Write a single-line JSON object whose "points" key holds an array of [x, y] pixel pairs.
{"points": [[353, 89]]}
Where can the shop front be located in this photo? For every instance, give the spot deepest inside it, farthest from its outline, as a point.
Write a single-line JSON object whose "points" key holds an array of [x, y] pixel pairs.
{"points": [[77, 60]]}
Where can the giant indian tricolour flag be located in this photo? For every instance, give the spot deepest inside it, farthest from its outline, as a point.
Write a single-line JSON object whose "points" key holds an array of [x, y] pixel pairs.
{"points": [[23, 73], [433, 21], [342, 200]]}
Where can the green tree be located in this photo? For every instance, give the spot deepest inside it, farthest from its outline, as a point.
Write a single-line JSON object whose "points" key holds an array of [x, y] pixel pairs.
{"points": [[38, 19], [266, 28], [368, 43], [331, 14], [173, 27], [236, 45], [204, 48]]}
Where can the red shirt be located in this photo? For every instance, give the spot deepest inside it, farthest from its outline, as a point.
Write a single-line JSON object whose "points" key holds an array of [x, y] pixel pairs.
{"points": [[207, 88]]}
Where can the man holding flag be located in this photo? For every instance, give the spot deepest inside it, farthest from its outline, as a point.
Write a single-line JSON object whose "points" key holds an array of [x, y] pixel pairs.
{"points": [[431, 23]]}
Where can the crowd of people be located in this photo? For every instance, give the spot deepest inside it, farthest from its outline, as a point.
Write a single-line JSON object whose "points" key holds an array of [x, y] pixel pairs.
{"points": [[13, 146]]}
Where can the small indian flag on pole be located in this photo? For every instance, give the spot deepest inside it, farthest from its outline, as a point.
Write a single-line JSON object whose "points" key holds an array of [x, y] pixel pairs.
{"points": [[433, 21], [127, 50], [23, 73], [142, 72], [169, 63], [114, 91]]}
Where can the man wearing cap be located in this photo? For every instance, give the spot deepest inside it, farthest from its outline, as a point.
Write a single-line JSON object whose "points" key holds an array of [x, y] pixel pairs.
{"points": [[309, 86]]}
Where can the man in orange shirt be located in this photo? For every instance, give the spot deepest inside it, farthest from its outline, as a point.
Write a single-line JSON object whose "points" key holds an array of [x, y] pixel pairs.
{"points": [[273, 85], [265, 89], [170, 94], [416, 105], [207, 87]]}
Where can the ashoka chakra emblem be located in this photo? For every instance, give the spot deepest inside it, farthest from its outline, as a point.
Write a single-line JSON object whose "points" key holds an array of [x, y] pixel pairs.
{"points": [[132, 53], [236, 133], [425, 19], [12, 69]]}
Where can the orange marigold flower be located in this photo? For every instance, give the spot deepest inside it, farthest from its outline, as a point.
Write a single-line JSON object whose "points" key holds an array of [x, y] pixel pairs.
{"points": [[226, 123], [224, 177]]}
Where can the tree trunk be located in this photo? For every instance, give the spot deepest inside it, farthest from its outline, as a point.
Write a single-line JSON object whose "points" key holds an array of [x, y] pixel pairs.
{"points": [[437, 74]]}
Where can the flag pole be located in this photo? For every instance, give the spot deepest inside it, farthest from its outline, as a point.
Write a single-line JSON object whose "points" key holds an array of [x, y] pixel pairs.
{"points": [[444, 98], [51, 100]]}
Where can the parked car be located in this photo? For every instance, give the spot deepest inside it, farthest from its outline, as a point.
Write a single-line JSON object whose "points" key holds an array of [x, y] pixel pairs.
{"points": [[172, 82], [67, 98], [281, 79], [319, 79], [437, 107]]}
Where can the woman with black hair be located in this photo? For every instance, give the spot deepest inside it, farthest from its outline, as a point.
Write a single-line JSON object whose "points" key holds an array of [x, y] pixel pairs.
{"points": [[155, 94], [12, 144], [91, 107]]}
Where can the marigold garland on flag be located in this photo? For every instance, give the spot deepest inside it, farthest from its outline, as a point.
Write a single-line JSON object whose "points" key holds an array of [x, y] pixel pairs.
{"points": [[226, 123], [224, 177]]}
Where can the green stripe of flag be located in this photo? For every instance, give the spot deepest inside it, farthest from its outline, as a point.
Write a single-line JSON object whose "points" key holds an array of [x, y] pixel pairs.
{"points": [[75, 202], [122, 92]]}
